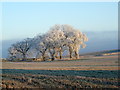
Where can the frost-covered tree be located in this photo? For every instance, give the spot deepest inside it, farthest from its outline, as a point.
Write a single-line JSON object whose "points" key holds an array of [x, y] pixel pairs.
{"points": [[52, 38], [65, 35], [21, 48], [50, 42], [41, 45], [58, 39], [74, 39], [12, 53]]}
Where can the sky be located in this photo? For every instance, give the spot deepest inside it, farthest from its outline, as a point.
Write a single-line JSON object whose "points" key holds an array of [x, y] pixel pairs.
{"points": [[27, 19]]}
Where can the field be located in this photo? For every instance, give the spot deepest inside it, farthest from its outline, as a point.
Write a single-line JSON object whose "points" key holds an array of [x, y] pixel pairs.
{"points": [[91, 71]]}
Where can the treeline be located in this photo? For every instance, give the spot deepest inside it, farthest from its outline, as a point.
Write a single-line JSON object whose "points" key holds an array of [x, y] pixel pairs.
{"points": [[52, 45]]}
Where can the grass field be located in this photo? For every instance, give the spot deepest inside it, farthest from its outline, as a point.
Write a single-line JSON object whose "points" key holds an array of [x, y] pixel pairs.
{"points": [[90, 71]]}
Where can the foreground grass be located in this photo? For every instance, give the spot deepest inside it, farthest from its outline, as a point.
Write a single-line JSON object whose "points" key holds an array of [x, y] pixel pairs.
{"points": [[59, 79]]}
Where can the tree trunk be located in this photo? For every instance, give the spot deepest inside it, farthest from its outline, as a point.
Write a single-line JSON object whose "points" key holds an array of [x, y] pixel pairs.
{"points": [[70, 52], [53, 58], [43, 56], [76, 55], [24, 56], [52, 54], [70, 55], [56, 54], [60, 54]]}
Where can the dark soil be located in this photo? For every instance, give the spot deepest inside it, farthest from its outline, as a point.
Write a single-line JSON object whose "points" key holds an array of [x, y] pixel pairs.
{"points": [[52, 79]]}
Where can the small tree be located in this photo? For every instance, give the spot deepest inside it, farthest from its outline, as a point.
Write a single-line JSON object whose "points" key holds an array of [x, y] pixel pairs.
{"points": [[12, 53]]}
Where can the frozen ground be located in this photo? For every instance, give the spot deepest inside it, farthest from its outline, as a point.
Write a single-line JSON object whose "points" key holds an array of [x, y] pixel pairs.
{"points": [[88, 72]]}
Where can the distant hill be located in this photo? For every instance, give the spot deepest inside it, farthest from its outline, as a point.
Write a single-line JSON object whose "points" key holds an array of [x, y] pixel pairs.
{"points": [[103, 52]]}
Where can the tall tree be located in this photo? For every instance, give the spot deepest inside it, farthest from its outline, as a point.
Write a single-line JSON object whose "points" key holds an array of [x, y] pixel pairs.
{"points": [[54, 39], [74, 39]]}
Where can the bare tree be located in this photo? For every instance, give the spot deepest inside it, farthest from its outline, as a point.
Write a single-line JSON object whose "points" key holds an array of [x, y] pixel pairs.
{"points": [[41, 45], [23, 47], [12, 53]]}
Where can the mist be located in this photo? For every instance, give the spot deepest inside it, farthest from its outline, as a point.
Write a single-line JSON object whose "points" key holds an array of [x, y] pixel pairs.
{"points": [[98, 41]]}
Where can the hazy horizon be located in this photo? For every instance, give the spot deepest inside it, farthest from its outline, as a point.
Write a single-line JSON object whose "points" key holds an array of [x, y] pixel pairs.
{"points": [[100, 41]]}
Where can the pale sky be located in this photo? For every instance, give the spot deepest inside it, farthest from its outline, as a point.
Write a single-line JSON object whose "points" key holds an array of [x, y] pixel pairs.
{"points": [[26, 19]]}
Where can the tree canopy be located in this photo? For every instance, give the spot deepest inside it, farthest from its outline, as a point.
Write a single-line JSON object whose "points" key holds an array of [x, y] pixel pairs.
{"points": [[51, 45]]}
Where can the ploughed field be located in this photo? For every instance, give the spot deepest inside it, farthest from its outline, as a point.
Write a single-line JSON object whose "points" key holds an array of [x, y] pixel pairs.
{"points": [[88, 72], [59, 79]]}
